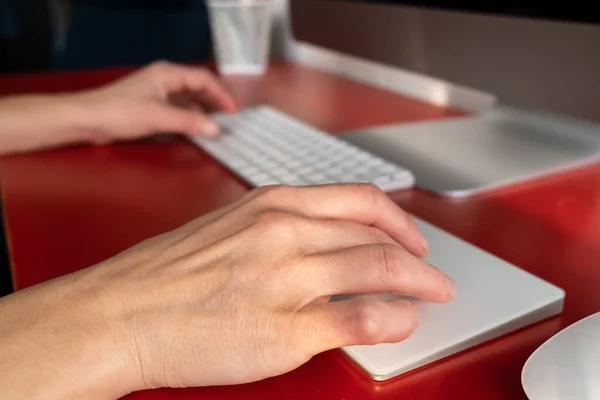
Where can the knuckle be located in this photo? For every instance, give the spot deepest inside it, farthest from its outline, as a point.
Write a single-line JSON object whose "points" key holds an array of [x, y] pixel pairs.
{"points": [[377, 236], [270, 195], [188, 122], [390, 262], [279, 224], [199, 74], [372, 194], [365, 322], [408, 222], [410, 320], [205, 73], [160, 65], [273, 217], [266, 190]]}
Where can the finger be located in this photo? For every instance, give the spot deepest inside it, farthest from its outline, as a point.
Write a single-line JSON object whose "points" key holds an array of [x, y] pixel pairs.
{"points": [[330, 235], [179, 78], [166, 118], [365, 204], [377, 268], [203, 101], [356, 322], [314, 235], [323, 235], [191, 101], [186, 101]]}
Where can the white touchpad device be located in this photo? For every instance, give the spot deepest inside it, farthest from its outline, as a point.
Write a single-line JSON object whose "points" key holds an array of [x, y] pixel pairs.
{"points": [[493, 298]]}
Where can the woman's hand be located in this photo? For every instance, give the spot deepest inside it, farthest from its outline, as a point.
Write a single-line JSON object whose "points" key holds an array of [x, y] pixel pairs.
{"points": [[236, 296], [163, 97], [160, 98]]}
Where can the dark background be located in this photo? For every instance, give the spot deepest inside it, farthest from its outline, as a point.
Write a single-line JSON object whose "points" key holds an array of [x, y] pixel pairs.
{"points": [[577, 11], [74, 34]]}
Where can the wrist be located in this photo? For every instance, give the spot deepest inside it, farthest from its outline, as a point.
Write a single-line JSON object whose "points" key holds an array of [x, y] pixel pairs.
{"points": [[109, 342], [58, 340], [86, 117], [41, 121]]}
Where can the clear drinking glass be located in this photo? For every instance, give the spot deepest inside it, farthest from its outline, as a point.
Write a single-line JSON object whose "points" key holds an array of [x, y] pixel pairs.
{"points": [[241, 31]]}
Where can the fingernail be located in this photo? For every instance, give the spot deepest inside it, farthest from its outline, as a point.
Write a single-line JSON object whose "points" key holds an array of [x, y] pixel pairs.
{"points": [[424, 245], [210, 128], [451, 287]]}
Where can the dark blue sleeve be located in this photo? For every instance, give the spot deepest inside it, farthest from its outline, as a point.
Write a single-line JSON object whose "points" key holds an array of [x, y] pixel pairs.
{"points": [[8, 25], [132, 32]]}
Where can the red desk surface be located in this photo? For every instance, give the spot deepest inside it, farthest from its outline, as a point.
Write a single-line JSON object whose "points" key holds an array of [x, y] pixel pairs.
{"points": [[70, 208]]}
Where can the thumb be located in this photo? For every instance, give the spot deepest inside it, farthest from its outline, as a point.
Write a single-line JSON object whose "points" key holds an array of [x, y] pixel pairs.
{"points": [[192, 122]]}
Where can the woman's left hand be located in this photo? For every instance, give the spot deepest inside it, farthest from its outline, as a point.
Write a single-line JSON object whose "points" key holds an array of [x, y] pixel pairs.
{"points": [[161, 98]]}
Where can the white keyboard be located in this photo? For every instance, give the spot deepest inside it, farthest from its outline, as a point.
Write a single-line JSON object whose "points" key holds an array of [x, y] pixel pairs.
{"points": [[264, 146]]}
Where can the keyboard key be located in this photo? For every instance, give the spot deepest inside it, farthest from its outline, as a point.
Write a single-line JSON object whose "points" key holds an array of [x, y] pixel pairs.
{"points": [[399, 176], [374, 162], [360, 169], [335, 172], [370, 175], [317, 178], [381, 180], [281, 172], [259, 177], [297, 182], [349, 179], [294, 164], [251, 171], [238, 163], [305, 170], [388, 168], [321, 165], [349, 163]]}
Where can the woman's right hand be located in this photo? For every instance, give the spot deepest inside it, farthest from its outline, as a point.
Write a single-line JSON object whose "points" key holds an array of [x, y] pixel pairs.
{"points": [[242, 294]]}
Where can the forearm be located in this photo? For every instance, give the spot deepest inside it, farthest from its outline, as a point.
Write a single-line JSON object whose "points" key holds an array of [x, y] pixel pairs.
{"points": [[56, 343], [32, 122]]}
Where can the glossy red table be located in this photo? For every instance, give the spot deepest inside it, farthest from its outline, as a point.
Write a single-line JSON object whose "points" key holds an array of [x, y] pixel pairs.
{"points": [[70, 208]]}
